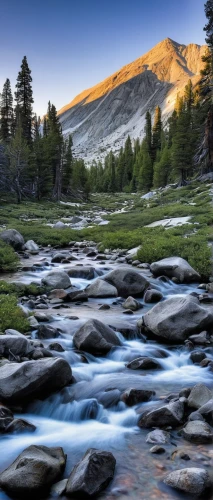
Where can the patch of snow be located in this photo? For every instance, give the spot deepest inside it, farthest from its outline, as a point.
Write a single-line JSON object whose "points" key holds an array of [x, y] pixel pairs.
{"points": [[133, 251], [149, 195], [173, 222]]}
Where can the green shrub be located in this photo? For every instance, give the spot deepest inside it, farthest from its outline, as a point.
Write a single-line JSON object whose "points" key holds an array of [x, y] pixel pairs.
{"points": [[11, 315], [8, 258]]}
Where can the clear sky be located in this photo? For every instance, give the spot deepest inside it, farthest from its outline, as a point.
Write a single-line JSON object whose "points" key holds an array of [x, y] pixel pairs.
{"points": [[73, 44]]}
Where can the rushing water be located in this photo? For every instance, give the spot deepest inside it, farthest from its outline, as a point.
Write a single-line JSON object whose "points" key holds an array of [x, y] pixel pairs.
{"points": [[89, 413]]}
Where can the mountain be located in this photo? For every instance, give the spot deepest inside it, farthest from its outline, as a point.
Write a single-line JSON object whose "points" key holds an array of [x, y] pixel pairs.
{"points": [[100, 118]]}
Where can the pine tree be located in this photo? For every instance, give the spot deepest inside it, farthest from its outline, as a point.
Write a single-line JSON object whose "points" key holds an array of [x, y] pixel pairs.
{"points": [[128, 163], [67, 164], [18, 155], [162, 168], [178, 104], [209, 26], [156, 136], [112, 182], [24, 99], [6, 112], [55, 149], [189, 96], [145, 179], [182, 152], [148, 132]]}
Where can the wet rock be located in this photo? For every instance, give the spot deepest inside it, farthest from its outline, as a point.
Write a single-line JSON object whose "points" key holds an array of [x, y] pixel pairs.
{"points": [[37, 354], [5, 412], [127, 282], [40, 316], [197, 356], [77, 295], [199, 395], [144, 363], [104, 307], [194, 481], [11, 331], [157, 450], [14, 345], [195, 415], [55, 346], [128, 311], [101, 289], [95, 337], [205, 362], [59, 488], [58, 294], [47, 332], [197, 432], [131, 303], [132, 397], [33, 322], [151, 296], [158, 436], [4, 422], [57, 279], [33, 378], [59, 257], [200, 339], [171, 414], [175, 267], [12, 238], [34, 470], [185, 392], [92, 474], [86, 273], [18, 425], [59, 225], [32, 247], [206, 411], [176, 318], [110, 398]]}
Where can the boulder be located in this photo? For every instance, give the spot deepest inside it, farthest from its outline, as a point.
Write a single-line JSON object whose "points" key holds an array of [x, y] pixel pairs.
{"points": [[59, 488], [85, 273], [11, 331], [151, 296], [131, 303], [144, 363], [59, 293], [31, 246], [197, 432], [206, 411], [77, 295], [193, 480], [197, 356], [127, 282], [200, 338], [34, 470], [14, 345], [33, 378], [158, 436], [132, 397], [101, 289], [199, 395], [177, 318], [157, 450], [57, 279], [55, 346], [18, 425], [175, 267], [59, 225], [47, 332], [58, 257], [95, 337], [171, 414], [92, 474], [13, 238]]}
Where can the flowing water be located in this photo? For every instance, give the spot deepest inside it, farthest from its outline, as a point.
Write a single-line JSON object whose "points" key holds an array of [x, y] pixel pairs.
{"points": [[89, 413]]}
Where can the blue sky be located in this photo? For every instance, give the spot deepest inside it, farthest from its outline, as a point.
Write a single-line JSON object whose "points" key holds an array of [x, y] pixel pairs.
{"points": [[73, 44]]}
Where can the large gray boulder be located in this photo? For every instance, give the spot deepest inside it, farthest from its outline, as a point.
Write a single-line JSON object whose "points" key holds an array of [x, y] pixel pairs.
{"points": [[33, 378], [14, 345], [158, 437], [13, 238], [170, 414], [95, 337], [207, 411], [56, 279], [86, 273], [34, 470], [193, 480], [127, 282], [177, 318], [197, 432], [101, 289], [199, 396], [92, 474], [31, 246], [175, 267]]}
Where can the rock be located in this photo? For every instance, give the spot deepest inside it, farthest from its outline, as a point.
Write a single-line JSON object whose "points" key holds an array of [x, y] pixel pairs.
{"points": [[40, 316], [177, 318], [32, 378], [85, 273], [197, 432], [59, 225], [158, 436], [95, 337], [34, 470], [18, 425], [110, 398], [131, 303], [92, 474], [58, 257], [57, 279], [144, 363], [195, 415], [200, 339], [175, 267], [59, 488], [158, 450], [152, 296], [55, 346], [101, 289], [14, 345], [193, 480], [32, 247], [77, 295], [104, 307], [58, 294], [4, 422], [127, 282], [199, 395], [47, 332], [13, 238], [197, 356], [11, 331], [171, 414], [132, 397], [206, 411]]}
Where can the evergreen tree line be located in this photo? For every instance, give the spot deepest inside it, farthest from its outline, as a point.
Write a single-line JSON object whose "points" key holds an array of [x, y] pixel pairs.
{"points": [[35, 159], [166, 154]]}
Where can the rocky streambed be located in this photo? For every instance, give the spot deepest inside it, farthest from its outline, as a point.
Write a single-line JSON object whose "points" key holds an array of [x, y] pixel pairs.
{"points": [[120, 361]]}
